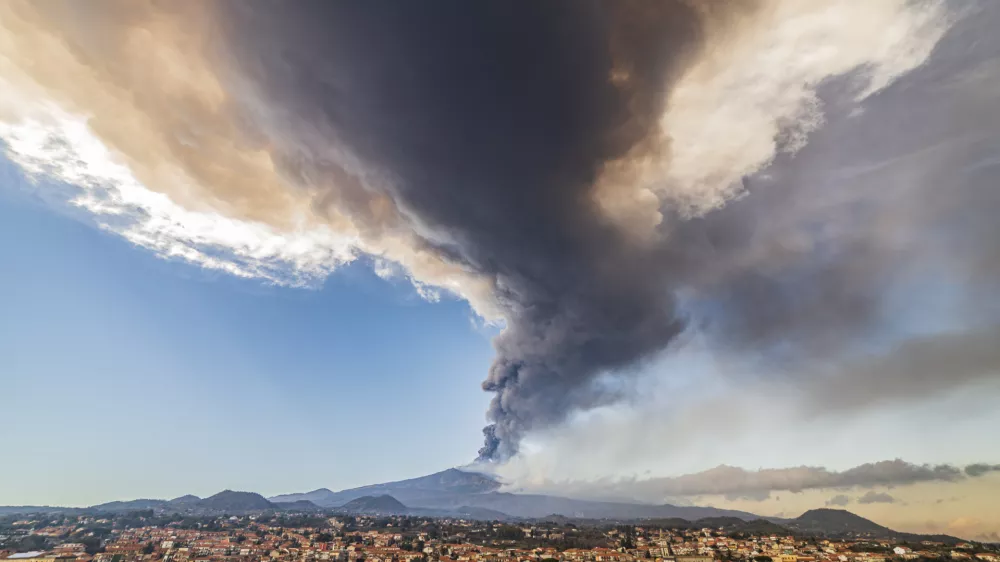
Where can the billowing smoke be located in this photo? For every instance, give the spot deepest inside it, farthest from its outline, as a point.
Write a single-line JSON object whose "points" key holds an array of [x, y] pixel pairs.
{"points": [[600, 177], [494, 121], [513, 133], [980, 469]]}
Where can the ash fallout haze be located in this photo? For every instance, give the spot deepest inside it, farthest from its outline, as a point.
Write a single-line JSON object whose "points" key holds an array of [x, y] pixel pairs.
{"points": [[743, 255]]}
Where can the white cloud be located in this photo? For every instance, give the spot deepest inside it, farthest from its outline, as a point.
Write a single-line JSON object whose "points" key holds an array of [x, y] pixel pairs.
{"points": [[753, 93], [53, 146]]}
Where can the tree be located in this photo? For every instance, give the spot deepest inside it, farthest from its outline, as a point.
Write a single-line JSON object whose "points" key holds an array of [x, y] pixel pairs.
{"points": [[627, 540], [92, 545], [33, 542]]}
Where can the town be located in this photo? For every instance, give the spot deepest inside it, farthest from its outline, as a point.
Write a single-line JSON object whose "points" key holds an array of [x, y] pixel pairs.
{"points": [[144, 536]]}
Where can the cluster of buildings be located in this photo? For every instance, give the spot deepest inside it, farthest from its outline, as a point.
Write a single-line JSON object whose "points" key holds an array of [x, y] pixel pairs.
{"points": [[244, 539]]}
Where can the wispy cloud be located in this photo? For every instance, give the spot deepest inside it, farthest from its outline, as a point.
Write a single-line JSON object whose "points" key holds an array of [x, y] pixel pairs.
{"points": [[871, 496], [756, 485], [61, 150], [839, 500]]}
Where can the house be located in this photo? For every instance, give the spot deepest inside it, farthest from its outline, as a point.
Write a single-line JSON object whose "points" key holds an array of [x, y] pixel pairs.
{"points": [[33, 556], [698, 558]]}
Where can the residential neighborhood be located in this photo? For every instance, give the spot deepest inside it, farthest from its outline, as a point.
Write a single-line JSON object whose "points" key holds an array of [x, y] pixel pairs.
{"points": [[144, 537]]}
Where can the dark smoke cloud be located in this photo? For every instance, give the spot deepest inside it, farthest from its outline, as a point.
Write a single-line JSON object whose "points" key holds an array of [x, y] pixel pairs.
{"points": [[526, 155], [493, 119], [489, 125], [980, 469]]}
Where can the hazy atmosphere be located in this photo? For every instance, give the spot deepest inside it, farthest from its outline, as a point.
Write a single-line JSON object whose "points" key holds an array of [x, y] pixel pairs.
{"points": [[738, 255]]}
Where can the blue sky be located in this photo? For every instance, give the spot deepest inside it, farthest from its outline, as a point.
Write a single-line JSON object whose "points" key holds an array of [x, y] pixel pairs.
{"points": [[130, 375]]}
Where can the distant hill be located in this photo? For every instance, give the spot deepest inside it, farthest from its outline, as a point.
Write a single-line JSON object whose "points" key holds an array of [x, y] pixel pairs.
{"points": [[534, 506], [185, 500], [383, 504], [841, 523], [453, 490], [757, 526], [323, 497], [471, 495], [299, 505], [30, 509], [230, 501], [836, 521], [426, 491], [131, 505]]}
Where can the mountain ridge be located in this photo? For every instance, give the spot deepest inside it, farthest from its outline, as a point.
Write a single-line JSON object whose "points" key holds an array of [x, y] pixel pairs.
{"points": [[457, 493], [382, 505], [454, 489], [448, 482], [229, 500]]}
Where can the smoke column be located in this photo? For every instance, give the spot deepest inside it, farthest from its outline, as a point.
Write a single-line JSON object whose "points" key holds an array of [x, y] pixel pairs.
{"points": [[599, 177]]}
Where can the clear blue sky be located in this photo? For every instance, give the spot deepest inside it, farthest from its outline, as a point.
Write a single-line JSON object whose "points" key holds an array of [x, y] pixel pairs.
{"points": [[125, 375]]}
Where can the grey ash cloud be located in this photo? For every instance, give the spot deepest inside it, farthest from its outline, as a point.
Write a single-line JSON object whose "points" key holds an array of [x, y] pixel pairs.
{"points": [[599, 176], [980, 469], [493, 120], [489, 125]]}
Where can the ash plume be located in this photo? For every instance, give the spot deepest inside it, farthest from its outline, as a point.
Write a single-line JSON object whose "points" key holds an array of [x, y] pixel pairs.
{"points": [[549, 150], [494, 121], [599, 177], [980, 469]]}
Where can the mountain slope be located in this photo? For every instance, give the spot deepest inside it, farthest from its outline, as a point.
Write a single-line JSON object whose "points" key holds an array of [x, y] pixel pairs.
{"points": [[836, 521], [30, 509], [298, 505], [432, 488], [841, 523], [230, 501], [186, 500], [533, 506], [130, 505], [454, 489], [321, 497], [375, 504]]}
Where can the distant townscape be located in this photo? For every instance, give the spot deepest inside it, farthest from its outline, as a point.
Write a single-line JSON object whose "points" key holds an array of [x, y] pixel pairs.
{"points": [[452, 516], [145, 536]]}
